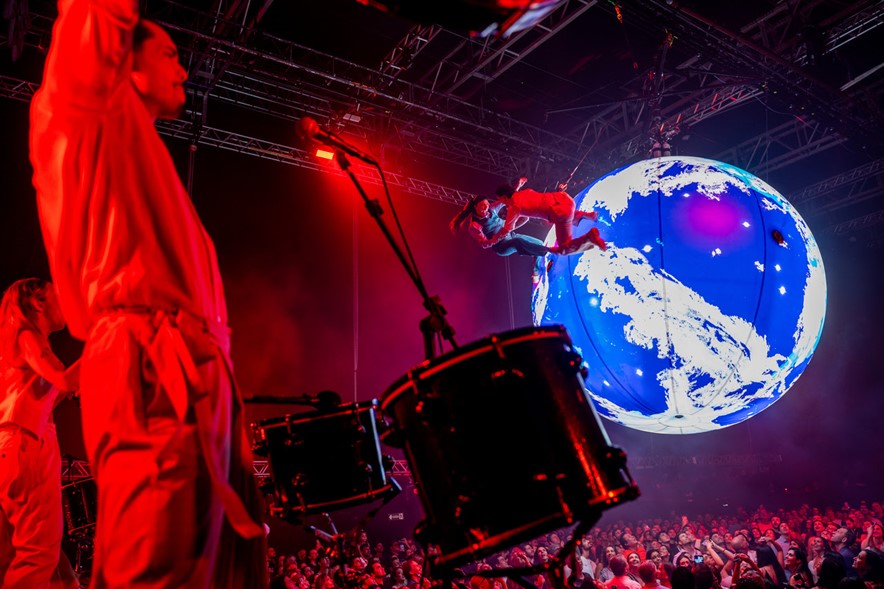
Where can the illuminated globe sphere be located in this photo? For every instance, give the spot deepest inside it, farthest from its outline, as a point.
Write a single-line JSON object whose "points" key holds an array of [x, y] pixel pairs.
{"points": [[706, 306]]}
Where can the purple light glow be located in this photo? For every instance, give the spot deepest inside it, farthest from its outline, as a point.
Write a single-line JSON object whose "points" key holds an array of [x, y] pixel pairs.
{"points": [[707, 223]]}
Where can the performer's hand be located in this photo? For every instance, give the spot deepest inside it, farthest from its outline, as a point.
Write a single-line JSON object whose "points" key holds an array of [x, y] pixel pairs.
{"points": [[72, 376]]}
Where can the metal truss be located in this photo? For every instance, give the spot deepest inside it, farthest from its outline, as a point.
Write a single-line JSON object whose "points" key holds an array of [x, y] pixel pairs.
{"points": [[485, 59], [772, 29], [401, 57], [230, 141], [280, 99], [862, 224], [781, 146], [857, 184], [401, 469], [781, 72], [186, 130], [849, 29], [699, 106], [74, 470], [285, 60], [16, 89], [237, 64]]}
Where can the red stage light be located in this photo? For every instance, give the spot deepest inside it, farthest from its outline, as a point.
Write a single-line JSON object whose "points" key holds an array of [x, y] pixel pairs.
{"points": [[325, 154]]}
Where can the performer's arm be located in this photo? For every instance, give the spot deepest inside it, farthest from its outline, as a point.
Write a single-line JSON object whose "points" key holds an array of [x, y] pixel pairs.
{"points": [[512, 216], [37, 353], [90, 54], [475, 231]]}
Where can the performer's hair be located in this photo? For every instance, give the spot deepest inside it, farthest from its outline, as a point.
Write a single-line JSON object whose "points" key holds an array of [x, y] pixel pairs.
{"points": [[459, 220], [142, 32], [504, 190], [18, 312]]}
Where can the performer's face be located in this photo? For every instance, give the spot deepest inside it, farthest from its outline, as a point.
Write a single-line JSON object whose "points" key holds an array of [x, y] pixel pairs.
{"points": [[52, 309], [482, 208], [158, 75]]}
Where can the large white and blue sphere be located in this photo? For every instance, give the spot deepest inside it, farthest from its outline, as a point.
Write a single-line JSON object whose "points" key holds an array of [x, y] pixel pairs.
{"points": [[707, 305]]}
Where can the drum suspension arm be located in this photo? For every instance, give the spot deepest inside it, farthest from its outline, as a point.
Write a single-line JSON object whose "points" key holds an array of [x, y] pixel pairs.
{"points": [[435, 324]]}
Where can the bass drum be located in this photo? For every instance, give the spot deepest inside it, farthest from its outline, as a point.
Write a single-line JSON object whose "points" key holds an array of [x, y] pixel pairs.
{"points": [[504, 444], [323, 460]]}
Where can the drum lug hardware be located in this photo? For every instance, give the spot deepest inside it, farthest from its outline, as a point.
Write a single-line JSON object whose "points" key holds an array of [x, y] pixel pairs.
{"points": [[507, 372], [615, 457], [576, 364], [495, 341], [463, 502]]}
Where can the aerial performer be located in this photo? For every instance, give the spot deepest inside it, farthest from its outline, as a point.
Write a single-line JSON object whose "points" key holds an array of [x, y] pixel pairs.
{"points": [[555, 207], [482, 219]]}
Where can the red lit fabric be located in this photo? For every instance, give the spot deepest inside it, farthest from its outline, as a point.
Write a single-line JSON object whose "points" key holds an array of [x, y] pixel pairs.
{"points": [[137, 278]]}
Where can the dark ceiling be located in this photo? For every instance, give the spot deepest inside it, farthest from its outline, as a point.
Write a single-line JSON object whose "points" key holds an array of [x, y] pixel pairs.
{"points": [[789, 90]]}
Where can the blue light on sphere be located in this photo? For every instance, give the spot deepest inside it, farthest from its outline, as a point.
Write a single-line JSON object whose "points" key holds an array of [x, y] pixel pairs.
{"points": [[707, 305]]}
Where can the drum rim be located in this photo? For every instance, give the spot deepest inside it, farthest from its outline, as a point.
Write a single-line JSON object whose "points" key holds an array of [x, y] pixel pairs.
{"points": [[351, 501], [493, 544], [428, 368], [314, 415], [79, 481]]}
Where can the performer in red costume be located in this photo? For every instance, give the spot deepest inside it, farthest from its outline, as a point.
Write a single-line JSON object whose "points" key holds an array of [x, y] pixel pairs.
{"points": [[557, 208], [138, 280], [31, 378]]}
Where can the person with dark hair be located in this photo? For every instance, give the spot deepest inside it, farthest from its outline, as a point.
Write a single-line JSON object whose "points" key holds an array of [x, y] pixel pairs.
{"points": [[688, 545], [768, 564], [647, 572], [138, 281], [706, 577], [831, 571], [816, 550], [869, 565], [682, 578], [873, 537], [31, 377], [842, 541], [603, 567], [620, 580], [749, 582], [554, 207], [795, 567], [482, 221]]}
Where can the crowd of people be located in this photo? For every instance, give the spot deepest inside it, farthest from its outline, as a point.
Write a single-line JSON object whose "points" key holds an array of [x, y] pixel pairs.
{"points": [[807, 547]]}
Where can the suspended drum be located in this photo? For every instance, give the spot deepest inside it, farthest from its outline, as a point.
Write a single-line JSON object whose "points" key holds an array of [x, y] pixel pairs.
{"points": [[504, 444], [323, 460]]}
